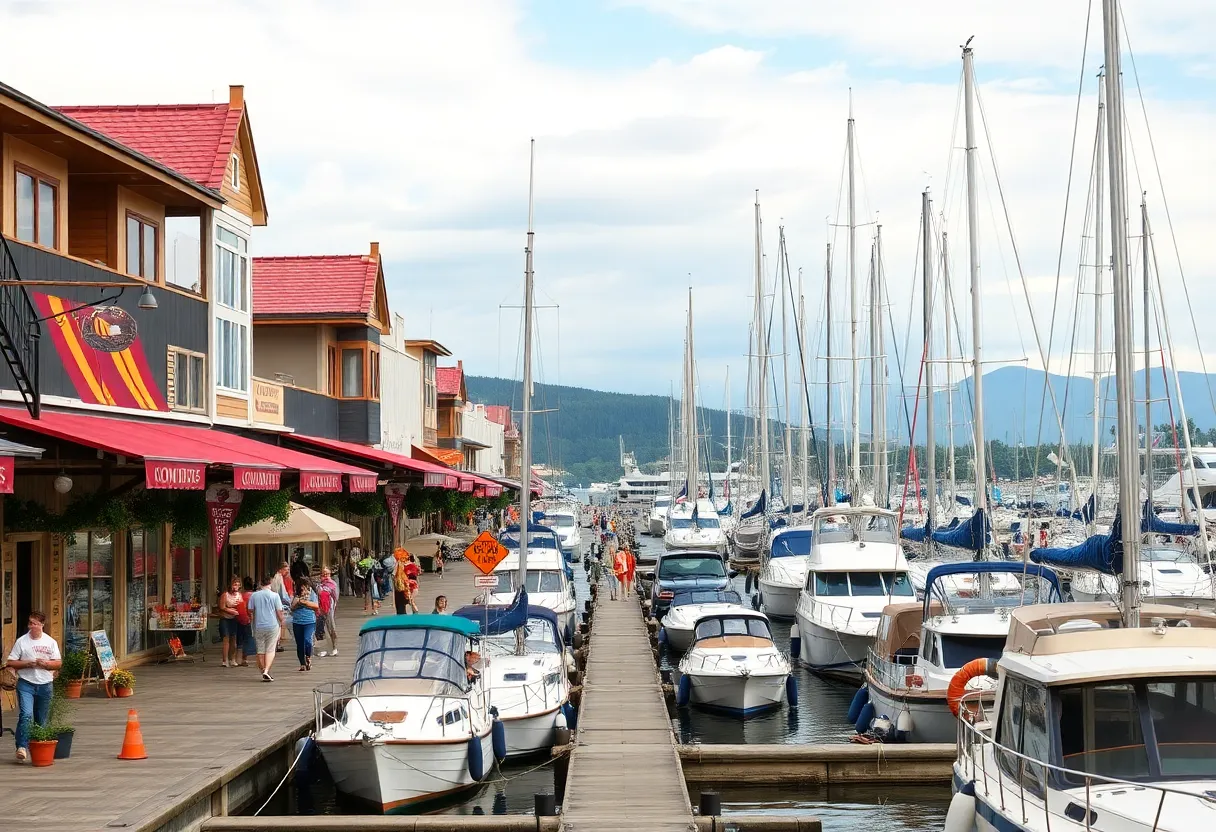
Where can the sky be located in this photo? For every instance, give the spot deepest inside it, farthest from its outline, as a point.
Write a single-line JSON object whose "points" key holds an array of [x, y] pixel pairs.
{"points": [[656, 123]]}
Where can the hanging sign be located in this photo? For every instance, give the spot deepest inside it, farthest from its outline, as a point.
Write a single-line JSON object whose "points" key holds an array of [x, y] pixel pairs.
{"points": [[164, 473], [324, 481], [223, 501], [394, 495], [6, 474], [362, 483], [485, 581], [493, 490], [256, 479]]}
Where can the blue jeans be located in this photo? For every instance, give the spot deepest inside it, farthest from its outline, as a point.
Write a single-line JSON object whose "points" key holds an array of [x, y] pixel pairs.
{"points": [[33, 703], [303, 634]]}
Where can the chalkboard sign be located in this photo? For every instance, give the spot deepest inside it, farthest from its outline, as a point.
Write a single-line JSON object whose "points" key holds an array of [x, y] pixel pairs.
{"points": [[105, 653]]}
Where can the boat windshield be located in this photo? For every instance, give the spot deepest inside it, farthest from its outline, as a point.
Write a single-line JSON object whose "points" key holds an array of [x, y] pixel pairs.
{"points": [[957, 650], [561, 521], [1157, 554], [704, 521], [974, 592], [860, 584], [867, 528], [718, 627], [435, 657], [706, 596], [695, 567], [539, 580], [539, 637], [536, 540]]}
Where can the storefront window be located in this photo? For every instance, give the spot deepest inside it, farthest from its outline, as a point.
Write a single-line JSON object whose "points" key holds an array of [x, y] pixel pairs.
{"points": [[188, 572], [143, 585], [88, 588]]}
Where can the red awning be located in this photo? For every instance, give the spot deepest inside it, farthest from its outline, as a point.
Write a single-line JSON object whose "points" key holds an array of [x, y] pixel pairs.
{"points": [[176, 455], [433, 474]]}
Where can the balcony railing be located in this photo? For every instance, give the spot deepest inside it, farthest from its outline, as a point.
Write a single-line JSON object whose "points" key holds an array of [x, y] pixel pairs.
{"points": [[19, 331]]}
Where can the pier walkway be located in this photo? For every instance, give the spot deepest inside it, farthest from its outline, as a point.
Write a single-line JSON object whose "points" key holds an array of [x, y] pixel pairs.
{"points": [[624, 770]]}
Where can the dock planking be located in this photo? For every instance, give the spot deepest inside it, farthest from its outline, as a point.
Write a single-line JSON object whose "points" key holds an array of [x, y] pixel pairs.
{"points": [[624, 770]]}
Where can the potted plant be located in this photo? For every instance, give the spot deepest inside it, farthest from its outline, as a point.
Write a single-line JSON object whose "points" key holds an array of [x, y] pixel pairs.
{"points": [[61, 719], [43, 739], [71, 673], [122, 682]]}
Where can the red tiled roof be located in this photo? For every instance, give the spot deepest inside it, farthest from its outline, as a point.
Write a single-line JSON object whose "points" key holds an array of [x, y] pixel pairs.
{"points": [[448, 379], [193, 139], [325, 284], [499, 414]]}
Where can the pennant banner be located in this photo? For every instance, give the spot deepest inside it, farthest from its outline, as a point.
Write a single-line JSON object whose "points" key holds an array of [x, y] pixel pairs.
{"points": [[394, 495], [223, 502]]}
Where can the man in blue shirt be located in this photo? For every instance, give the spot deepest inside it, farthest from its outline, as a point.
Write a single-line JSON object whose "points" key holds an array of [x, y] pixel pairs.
{"points": [[266, 615]]}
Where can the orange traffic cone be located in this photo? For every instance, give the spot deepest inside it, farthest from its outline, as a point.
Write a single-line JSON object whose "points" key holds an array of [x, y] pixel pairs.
{"points": [[133, 742]]}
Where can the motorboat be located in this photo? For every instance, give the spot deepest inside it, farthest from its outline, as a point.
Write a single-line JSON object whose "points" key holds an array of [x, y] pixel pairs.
{"points": [[656, 524], [1168, 575], [856, 568], [549, 582], [751, 530], [565, 524], [687, 608], [415, 723], [733, 665], [920, 646], [784, 571], [694, 527], [526, 677]]}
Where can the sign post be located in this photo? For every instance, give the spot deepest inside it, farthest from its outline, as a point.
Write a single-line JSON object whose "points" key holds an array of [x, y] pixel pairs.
{"points": [[485, 553]]}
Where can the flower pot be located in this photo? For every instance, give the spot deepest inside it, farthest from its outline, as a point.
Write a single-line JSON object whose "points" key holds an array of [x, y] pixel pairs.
{"points": [[124, 691], [63, 749], [72, 689], [43, 753]]}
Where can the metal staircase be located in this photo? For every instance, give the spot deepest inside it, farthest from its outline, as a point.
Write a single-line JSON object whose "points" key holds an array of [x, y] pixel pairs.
{"points": [[19, 331]]}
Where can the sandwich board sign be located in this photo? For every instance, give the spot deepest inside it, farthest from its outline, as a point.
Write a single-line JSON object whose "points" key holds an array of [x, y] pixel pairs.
{"points": [[485, 553]]}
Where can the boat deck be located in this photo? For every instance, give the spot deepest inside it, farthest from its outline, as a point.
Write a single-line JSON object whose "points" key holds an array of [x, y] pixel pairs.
{"points": [[624, 770]]}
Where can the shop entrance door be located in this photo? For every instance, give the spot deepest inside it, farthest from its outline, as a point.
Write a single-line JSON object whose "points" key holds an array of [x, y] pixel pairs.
{"points": [[24, 602]]}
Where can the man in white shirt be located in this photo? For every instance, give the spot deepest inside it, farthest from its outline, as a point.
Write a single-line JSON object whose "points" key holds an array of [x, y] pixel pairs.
{"points": [[35, 656]]}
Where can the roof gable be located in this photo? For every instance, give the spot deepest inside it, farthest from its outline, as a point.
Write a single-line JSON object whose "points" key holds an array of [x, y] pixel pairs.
{"points": [[449, 381], [320, 285]]}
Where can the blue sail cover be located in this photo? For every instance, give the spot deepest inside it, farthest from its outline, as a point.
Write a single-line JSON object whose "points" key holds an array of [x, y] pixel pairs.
{"points": [[961, 500], [756, 510], [1103, 552], [726, 509], [792, 543], [915, 534], [1154, 524], [972, 535], [1085, 513], [497, 619], [842, 497]]}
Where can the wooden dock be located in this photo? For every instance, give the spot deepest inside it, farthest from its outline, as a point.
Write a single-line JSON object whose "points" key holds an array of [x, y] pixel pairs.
{"points": [[624, 770]]}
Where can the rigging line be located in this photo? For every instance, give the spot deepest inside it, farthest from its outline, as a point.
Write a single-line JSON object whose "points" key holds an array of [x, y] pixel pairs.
{"points": [[1169, 219], [958, 104], [805, 387], [900, 368]]}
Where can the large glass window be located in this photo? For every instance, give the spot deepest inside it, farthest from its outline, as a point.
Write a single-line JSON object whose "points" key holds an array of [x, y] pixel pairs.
{"points": [[188, 572], [37, 203], [707, 567], [1100, 731], [230, 351], [352, 373], [831, 584], [1184, 720], [143, 584], [88, 588], [141, 247], [188, 388], [232, 269]]}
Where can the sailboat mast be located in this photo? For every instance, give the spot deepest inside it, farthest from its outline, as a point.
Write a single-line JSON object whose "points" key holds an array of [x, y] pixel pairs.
{"points": [[762, 352], [1099, 268], [787, 476], [880, 487], [727, 481], [855, 416], [690, 396], [873, 326], [973, 235], [949, 372], [525, 439], [930, 425], [1148, 376], [830, 497], [804, 401], [1129, 492], [671, 441]]}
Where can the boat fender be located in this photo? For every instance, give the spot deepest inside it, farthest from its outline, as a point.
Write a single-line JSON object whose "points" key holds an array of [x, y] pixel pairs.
{"points": [[684, 689], [903, 725], [571, 715], [859, 700], [958, 685], [757, 601], [477, 768], [960, 817], [305, 749], [791, 691], [864, 718], [498, 733], [795, 642], [561, 729]]}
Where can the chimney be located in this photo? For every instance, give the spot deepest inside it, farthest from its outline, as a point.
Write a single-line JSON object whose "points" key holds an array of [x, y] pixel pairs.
{"points": [[236, 96], [375, 251]]}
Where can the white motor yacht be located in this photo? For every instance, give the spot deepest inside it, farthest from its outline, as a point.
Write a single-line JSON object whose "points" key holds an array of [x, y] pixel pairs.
{"points": [[694, 528], [733, 665], [856, 568], [415, 723], [687, 608], [526, 678], [1168, 575], [657, 522], [550, 581], [784, 571], [565, 524]]}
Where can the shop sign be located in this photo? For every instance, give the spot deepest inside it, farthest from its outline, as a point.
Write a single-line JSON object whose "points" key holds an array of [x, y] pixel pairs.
{"points": [[223, 501], [256, 479], [493, 490], [267, 402], [363, 483], [327, 481], [163, 473], [466, 485], [394, 496], [435, 479], [6, 474]]}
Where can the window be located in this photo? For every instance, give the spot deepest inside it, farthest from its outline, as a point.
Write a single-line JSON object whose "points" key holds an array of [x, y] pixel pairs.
{"points": [[141, 247], [831, 584], [331, 371], [143, 585], [231, 340], [236, 173], [187, 388], [1100, 731], [690, 567], [957, 650], [184, 253], [352, 373], [88, 588], [373, 373], [188, 572], [37, 204], [231, 269]]}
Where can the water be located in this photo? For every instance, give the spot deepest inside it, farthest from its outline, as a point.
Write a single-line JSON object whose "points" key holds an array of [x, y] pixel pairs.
{"points": [[844, 808]]}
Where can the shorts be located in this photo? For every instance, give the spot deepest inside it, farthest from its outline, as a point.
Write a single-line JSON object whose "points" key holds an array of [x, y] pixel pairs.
{"points": [[266, 639], [229, 628]]}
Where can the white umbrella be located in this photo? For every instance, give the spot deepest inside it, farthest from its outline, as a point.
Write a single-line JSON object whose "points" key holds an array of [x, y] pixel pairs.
{"points": [[303, 526]]}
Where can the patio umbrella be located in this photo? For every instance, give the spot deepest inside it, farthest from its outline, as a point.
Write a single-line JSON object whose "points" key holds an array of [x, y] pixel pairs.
{"points": [[433, 537], [303, 526]]}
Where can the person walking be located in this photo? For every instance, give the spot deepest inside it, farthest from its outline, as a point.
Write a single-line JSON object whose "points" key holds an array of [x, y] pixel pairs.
{"points": [[327, 610], [371, 587], [403, 596], [439, 559], [620, 570], [230, 601], [631, 566], [266, 615], [245, 622], [304, 622], [35, 656], [281, 584]]}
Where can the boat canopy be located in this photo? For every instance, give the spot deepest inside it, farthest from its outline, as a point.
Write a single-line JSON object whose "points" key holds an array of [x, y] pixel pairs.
{"points": [[791, 543], [972, 535], [935, 589], [421, 622], [1153, 524], [1101, 552], [412, 659], [539, 537], [539, 620], [706, 596], [741, 623]]}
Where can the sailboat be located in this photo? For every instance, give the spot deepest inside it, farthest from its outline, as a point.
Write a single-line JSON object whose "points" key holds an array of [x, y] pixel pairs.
{"points": [[1103, 716]]}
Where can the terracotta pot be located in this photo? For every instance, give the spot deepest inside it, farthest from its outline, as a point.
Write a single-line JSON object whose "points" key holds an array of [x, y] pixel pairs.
{"points": [[72, 689], [43, 753], [124, 691]]}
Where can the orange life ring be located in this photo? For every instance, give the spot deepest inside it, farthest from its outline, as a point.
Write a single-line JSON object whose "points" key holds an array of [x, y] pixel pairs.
{"points": [[958, 685]]}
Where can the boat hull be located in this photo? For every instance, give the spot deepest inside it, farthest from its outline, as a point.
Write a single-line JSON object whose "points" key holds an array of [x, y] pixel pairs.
{"points": [[527, 735], [737, 694], [657, 527], [828, 651], [779, 600], [678, 638], [931, 717]]}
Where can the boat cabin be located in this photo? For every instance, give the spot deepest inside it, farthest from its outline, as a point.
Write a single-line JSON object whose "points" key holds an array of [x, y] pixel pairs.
{"points": [[414, 655], [733, 630]]}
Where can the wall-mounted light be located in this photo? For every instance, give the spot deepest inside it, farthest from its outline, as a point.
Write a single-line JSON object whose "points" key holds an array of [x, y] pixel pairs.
{"points": [[63, 483], [146, 299]]}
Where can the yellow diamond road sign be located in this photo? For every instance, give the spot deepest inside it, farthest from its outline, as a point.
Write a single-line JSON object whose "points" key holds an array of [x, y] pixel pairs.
{"points": [[485, 553]]}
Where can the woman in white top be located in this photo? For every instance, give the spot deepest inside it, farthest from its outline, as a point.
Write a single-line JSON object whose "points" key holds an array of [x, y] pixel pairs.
{"points": [[35, 656]]}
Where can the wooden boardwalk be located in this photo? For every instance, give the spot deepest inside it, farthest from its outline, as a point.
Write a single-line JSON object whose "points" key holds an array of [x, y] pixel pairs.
{"points": [[624, 770], [201, 724]]}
